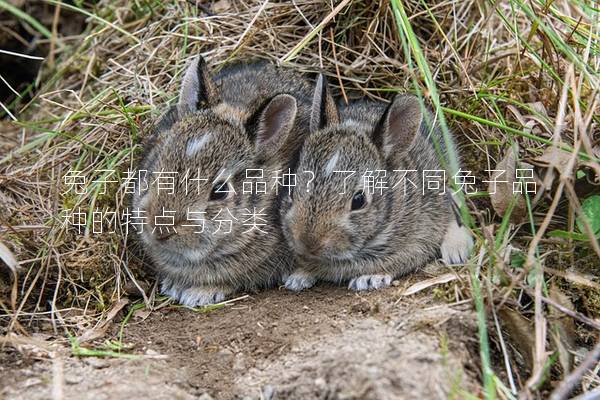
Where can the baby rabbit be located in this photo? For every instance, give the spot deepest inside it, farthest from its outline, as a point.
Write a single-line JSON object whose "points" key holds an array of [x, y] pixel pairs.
{"points": [[341, 229], [209, 238]]}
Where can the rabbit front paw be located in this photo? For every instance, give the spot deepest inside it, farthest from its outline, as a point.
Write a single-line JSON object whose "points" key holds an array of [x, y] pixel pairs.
{"points": [[299, 280], [368, 282], [201, 296], [168, 288], [194, 296], [457, 244]]}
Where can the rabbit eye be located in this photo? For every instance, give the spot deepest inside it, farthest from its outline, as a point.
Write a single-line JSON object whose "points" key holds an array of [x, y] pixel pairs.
{"points": [[359, 200], [220, 191]]}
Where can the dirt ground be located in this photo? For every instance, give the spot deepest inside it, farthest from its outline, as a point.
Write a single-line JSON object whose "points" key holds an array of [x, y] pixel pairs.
{"points": [[326, 343]]}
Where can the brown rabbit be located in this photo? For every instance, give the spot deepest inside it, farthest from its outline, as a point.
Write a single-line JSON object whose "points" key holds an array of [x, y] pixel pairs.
{"points": [[343, 232], [249, 116]]}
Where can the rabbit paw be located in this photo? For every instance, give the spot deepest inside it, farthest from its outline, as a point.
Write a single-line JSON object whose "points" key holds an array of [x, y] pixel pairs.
{"points": [[367, 282], [171, 290], [457, 244], [299, 280], [194, 296], [201, 296]]}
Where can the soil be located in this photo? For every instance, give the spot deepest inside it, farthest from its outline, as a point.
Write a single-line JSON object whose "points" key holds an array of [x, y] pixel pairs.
{"points": [[326, 343]]}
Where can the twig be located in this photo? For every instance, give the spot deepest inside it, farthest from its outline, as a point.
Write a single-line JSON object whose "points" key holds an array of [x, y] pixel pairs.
{"points": [[54, 37], [574, 314], [293, 52], [337, 67], [568, 384], [12, 53]]}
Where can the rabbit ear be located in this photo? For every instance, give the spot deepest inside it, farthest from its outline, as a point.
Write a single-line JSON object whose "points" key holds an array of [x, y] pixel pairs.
{"points": [[198, 88], [275, 123], [324, 111], [398, 125]]}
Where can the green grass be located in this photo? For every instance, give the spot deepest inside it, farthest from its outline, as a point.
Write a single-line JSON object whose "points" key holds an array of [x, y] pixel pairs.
{"points": [[95, 17], [110, 350], [412, 49], [35, 24]]}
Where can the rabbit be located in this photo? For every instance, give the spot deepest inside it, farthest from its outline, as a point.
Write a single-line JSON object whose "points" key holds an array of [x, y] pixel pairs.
{"points": [[343, 233], [248, 116]]}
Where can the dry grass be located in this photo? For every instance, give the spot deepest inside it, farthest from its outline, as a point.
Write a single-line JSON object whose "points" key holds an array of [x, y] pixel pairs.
{"points": [[507, 74]]}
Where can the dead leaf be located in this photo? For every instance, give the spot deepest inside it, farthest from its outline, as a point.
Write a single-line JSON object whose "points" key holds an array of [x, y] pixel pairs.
{"points": [[438, 280], [221, 6], [502, 194], [100, 330], [520, 331], [526, 123], [142, 314], [554, 159], [575, 277], [538, 107], [562, 329], [537, 122], [9, 259], [13, 265]]}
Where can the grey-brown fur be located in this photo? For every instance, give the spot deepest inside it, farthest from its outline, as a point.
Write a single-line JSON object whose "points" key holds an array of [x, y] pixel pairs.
{"points": [[395, 233], [246, 117]]}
